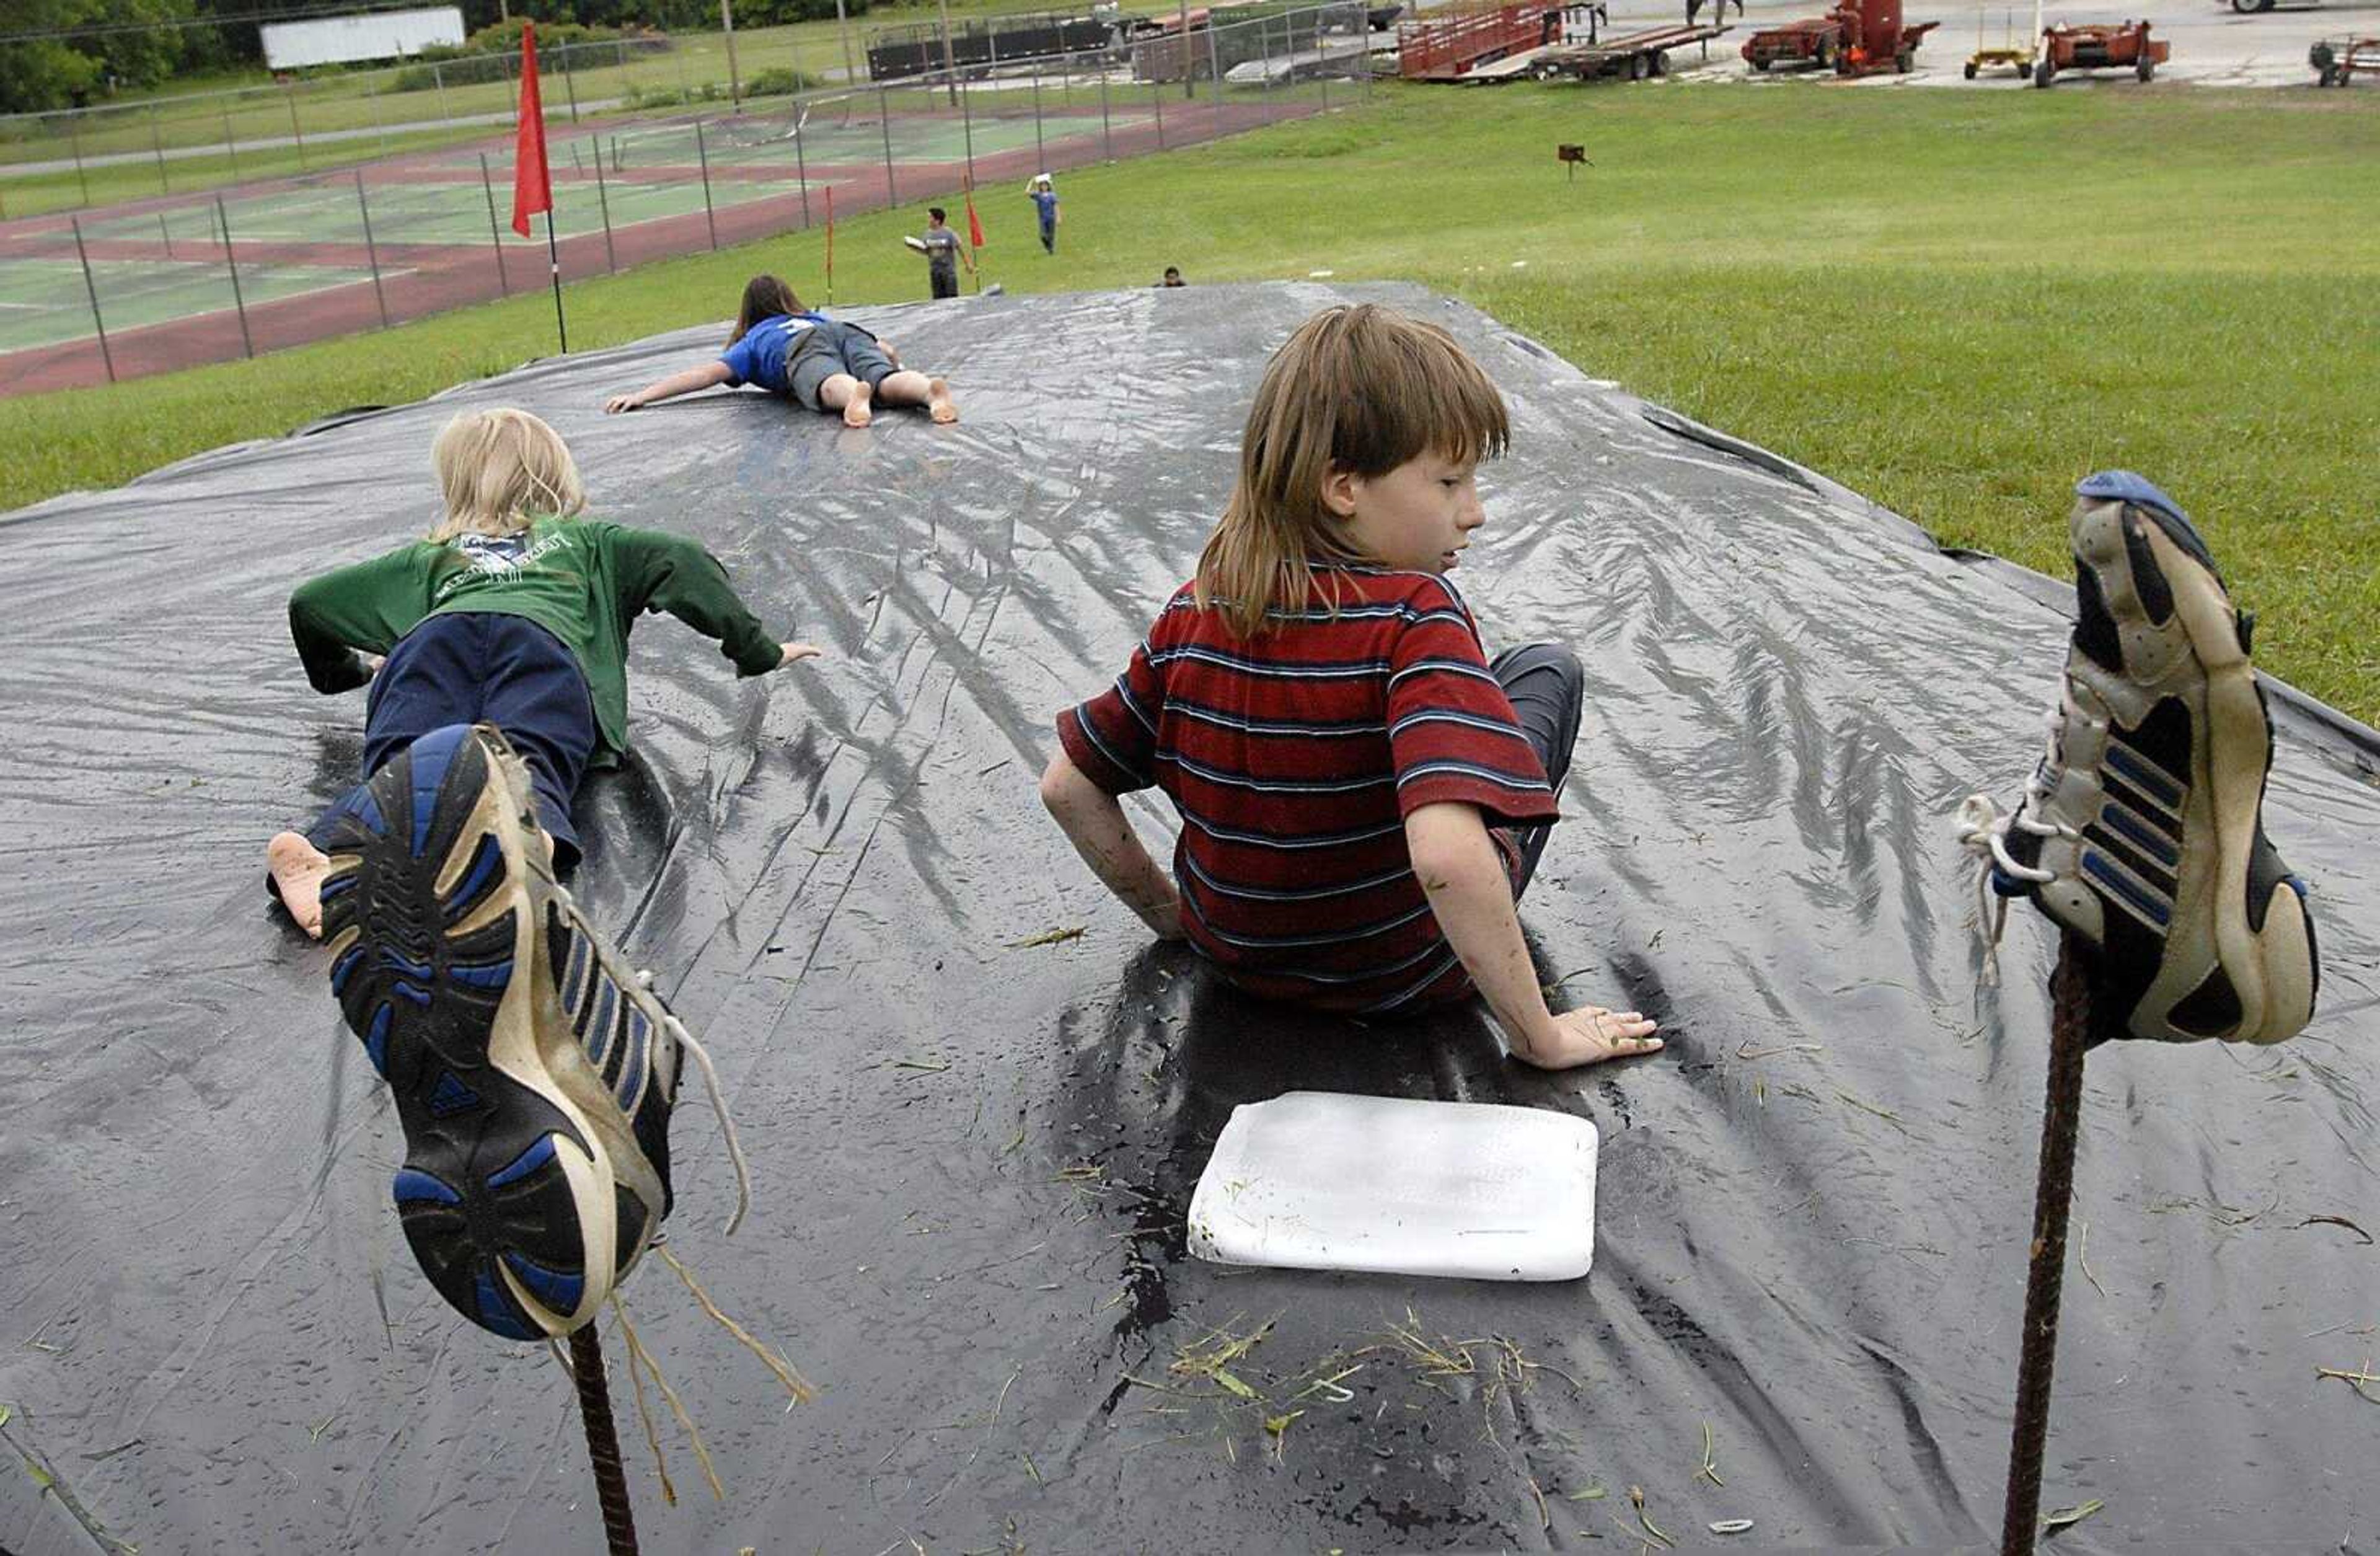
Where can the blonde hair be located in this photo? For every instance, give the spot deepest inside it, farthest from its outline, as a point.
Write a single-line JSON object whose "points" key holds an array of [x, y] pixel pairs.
{"points": [[1360, 389], [499, 470]]}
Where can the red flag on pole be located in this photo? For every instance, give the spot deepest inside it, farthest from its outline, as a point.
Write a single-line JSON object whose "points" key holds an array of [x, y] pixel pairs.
{"points": [[975, 223], [532, 187]]}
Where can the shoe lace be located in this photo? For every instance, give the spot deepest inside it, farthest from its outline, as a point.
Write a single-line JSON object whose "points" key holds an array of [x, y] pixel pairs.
{"points": [[687, 1044], [1983, 830]]}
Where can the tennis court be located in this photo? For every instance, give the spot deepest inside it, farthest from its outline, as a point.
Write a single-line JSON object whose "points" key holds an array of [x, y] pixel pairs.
{"points": [[185, 279], [44, 301]]}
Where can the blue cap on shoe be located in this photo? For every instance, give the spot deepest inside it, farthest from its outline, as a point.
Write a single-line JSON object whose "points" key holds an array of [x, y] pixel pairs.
{"points": [[2127, 486]]}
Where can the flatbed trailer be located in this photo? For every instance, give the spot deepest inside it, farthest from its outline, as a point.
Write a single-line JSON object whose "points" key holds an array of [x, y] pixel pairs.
{"points": [[1636, 55], [2336, 61]]}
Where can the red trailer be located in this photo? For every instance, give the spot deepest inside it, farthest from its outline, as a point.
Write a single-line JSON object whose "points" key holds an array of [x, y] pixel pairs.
{"points": [[1857, 37], [1443, 47], [2099, 47]]}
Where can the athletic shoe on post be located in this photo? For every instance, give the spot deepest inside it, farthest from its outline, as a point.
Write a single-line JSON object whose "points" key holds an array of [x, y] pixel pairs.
{"points": [[2141, 830], [533, 1075]]}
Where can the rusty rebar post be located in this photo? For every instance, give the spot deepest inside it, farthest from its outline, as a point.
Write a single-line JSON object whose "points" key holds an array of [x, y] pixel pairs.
{"points": [[602, 1442], [2069, 1023]]}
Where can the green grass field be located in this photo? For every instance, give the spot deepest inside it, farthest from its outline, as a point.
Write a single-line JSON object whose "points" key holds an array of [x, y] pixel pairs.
{"points": [[1955, 302]]}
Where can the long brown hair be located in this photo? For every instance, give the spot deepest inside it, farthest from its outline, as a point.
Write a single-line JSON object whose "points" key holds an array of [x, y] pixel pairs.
{"points": [[1359, 388], [765, 296]]}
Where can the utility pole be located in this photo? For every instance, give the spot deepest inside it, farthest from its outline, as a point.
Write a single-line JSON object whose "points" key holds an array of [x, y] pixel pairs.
{"points": [[1190, 77], [727, 23], [949, 64], [843, 27]]}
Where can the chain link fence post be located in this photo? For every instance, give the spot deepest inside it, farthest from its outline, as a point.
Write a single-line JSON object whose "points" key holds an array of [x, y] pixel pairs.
{"points": [[570, 80], [884, 123], [106, 358], [603, 199], [231, 142], [1156, 101], [495, 234], [702, 155], [231, 263], [1041, 157], [1107, 139], [801, 163], [157, 144], [371, 250]]}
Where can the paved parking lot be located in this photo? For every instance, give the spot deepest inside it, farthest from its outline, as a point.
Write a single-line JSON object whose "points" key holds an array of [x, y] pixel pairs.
{"points": [[2212, 45]]}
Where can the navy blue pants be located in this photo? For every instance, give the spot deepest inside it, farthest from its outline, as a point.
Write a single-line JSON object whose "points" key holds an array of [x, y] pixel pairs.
{"points": [[1546, 688], [482, 668]]}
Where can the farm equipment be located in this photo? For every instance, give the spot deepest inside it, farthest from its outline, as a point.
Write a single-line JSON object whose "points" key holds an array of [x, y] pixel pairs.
{"points": [[1636, 55], [1443, 47], [1857, 37], [2008, 52], [2334, 63], [2098, 46]]}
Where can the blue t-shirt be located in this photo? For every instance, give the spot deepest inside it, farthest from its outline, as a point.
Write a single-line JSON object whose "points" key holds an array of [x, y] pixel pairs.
{"points": [[760, 356], [1048, 204]]}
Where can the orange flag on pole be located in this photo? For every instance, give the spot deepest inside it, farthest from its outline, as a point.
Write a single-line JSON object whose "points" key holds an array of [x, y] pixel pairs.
{"points": [[532, 186], [975, 223]]}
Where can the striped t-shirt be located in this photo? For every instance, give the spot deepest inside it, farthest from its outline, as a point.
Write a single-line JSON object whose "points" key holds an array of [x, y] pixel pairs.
{"points": [[1294, 759]]}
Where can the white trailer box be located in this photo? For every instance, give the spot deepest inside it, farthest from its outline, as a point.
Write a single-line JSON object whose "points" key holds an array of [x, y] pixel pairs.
{"points": [[339, 39]]}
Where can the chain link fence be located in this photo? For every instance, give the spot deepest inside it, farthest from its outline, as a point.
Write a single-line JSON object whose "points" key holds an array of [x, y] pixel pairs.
{"points": [[178, 279]]}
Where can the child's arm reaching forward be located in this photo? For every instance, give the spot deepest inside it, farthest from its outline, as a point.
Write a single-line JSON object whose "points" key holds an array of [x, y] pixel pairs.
{"points": [[1471, 897], [1095, 824], [709, 375]]}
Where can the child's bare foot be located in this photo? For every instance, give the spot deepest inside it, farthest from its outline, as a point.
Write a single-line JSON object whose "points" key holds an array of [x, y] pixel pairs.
{"points": [[855, 411], [297, 869], [939, 404]]}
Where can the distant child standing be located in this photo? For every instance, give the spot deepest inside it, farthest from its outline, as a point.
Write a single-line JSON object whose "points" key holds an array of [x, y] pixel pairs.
{"points": [[1364, 796], [944, 253], [533, 1071], [1044, 195], [811, 359]]}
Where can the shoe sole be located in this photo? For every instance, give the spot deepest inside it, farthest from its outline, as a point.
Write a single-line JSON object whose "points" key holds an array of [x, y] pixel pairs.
{"points": [[2268, 968], [507, 1193]]}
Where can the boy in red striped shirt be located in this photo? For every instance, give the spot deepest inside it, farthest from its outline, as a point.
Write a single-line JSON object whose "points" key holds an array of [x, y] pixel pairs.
{"points": [[1363, 795]]}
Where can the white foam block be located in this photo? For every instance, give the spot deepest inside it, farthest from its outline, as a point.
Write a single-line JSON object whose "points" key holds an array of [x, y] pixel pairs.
{"points": [[1315, 1180]]}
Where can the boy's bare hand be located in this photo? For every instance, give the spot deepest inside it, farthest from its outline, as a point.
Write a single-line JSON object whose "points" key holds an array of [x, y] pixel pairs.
{"points": [[1589, 1035], [795, 652], [619, 403]]}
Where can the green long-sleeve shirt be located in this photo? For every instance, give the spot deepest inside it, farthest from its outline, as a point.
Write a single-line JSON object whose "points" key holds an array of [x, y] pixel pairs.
{"points": [[582, 579]]}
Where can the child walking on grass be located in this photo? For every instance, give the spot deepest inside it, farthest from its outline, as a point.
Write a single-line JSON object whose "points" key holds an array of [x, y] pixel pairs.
{"points": [[1364, 794], [533, 1071], [814, 360]]}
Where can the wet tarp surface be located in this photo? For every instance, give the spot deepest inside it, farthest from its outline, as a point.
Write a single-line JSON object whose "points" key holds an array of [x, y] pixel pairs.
{"points": [[974, 1151]]}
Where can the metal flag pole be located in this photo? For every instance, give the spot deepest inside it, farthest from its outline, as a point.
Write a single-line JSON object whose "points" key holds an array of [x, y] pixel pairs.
{"points": [[553, 263], [2053, 1196]]}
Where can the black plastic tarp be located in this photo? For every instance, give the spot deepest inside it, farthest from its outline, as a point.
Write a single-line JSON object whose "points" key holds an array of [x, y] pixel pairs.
{"points": [[974, 1153]]}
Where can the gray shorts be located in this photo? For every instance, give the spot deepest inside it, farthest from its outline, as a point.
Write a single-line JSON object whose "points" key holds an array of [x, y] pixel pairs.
{"points": [[827, 349]]}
